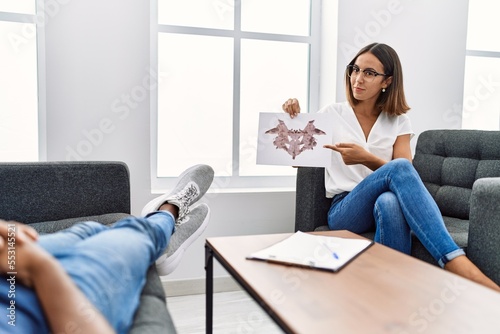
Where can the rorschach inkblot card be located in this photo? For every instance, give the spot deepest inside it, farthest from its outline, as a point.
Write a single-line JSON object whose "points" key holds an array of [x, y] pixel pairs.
{"points": [[297, 141]]}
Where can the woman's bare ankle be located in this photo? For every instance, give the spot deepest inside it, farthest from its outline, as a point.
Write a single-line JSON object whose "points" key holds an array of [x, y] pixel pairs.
{"points": [[462, 266]]}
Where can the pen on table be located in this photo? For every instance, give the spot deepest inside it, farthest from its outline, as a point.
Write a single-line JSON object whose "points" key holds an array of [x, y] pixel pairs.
{"points": [[334, 254]]}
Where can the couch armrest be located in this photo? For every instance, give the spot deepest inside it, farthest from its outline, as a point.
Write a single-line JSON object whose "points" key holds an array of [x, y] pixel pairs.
{"points": [[484, 229], [311, 207], [48, 191]]}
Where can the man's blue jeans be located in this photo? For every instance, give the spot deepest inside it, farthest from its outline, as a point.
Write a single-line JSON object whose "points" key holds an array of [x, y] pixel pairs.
{"points": [[109, 266], [394, 201]]}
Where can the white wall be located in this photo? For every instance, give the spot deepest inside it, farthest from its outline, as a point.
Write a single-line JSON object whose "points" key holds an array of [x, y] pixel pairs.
{"points": [[97, 69], [96, 53]]}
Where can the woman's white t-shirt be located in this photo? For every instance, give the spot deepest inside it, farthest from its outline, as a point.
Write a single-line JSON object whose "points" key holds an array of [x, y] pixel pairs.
{"points": [[340, 177]]}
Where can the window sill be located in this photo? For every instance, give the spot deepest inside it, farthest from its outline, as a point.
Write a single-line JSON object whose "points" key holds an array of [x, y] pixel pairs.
{"points": [[239, 190]]}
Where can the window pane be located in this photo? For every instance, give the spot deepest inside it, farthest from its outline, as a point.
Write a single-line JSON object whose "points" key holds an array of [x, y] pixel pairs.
{"points": [[18, 97], [271, 72], [482, 94], [276, 16], [197, 13], [195, 103], [483, 25], [18, 6]]}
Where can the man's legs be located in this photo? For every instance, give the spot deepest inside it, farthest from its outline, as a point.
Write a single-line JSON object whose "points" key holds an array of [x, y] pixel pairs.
{"points": [[109, 268], [54, 242], [109, 265]]}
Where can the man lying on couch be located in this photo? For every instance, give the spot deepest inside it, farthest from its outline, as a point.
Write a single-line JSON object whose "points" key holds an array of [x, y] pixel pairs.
{"points": [[88, 278]]}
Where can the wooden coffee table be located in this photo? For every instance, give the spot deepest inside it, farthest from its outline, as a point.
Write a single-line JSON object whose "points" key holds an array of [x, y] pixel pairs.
{"points": [[381, 291]]}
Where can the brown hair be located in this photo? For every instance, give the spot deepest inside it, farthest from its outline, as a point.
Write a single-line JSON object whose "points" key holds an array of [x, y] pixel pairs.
{"points": [[393, 100]]}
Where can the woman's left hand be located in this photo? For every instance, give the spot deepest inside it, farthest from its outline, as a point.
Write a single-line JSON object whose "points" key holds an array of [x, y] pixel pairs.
{"points": [[351, 153]]}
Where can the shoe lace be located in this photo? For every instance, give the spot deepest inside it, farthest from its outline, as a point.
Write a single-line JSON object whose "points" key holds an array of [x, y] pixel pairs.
{"points": [[185, 197]]}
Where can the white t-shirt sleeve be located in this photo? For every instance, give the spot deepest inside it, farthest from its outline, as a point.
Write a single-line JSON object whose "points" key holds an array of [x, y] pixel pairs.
{"points": [[405, 126]]}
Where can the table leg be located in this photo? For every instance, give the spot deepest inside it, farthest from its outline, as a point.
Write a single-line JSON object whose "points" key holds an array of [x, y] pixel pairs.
{"points": [[209, 288]]}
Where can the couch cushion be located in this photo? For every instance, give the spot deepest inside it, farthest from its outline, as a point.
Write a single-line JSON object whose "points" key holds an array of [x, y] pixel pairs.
{"points": [[57, 225], [459, 230], [453, 201], [450, 161]]}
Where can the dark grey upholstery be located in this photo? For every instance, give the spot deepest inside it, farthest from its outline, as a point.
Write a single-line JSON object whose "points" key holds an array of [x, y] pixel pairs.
{"points": [[60, 190], [461, 170], [484, 231], [51, 196], [57, 225]]}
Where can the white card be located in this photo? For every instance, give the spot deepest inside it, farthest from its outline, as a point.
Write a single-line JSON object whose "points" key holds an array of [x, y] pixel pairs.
{"points": [[294, 141]]}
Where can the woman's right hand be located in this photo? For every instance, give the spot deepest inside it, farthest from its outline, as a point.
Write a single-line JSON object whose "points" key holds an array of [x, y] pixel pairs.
{"points": [[291, 107]]}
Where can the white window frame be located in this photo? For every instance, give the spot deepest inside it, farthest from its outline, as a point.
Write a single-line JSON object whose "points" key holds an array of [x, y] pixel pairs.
{"points": [[482, 54], [236, 183], [38, 19]]}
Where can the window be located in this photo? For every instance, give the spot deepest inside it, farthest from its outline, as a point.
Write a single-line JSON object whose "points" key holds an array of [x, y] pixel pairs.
{"points": [[481, 107], [19, 81], [220, 66]]}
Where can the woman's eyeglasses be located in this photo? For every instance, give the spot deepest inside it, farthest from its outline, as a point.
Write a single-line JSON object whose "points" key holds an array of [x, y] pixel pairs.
{"points": [[368, 75]]}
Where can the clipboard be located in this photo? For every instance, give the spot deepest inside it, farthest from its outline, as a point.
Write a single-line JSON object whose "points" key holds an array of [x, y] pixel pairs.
{"points": [[313, 251]]}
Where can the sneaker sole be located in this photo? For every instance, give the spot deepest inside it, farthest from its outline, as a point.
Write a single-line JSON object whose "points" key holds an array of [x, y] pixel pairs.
{"points": [[167, 265]]}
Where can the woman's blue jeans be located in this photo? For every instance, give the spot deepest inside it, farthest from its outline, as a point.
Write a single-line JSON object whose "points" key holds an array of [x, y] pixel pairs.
{"points": [[109, 265], [394, 201]]}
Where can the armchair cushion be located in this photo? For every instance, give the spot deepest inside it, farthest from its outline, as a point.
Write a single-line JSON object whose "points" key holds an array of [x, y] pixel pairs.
{"points": [[450, 161]]}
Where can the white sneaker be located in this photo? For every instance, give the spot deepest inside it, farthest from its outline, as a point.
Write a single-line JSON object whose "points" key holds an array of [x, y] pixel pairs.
{"points": [[192, 184], [182, 238]]}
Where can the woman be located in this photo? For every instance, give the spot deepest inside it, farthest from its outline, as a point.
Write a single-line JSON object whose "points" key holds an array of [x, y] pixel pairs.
{"points": [[371, 179]]}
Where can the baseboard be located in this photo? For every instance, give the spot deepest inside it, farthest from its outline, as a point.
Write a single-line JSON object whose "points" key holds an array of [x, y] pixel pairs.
{"points": [[196, 286]]}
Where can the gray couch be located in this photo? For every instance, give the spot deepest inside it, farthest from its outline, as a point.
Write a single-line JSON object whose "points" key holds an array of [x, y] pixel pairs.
{"points": [[461, 170], [51, 196]]}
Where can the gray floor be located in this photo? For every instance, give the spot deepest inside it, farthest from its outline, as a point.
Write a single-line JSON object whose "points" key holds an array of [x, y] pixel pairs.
{"points": [[234, 313]]}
